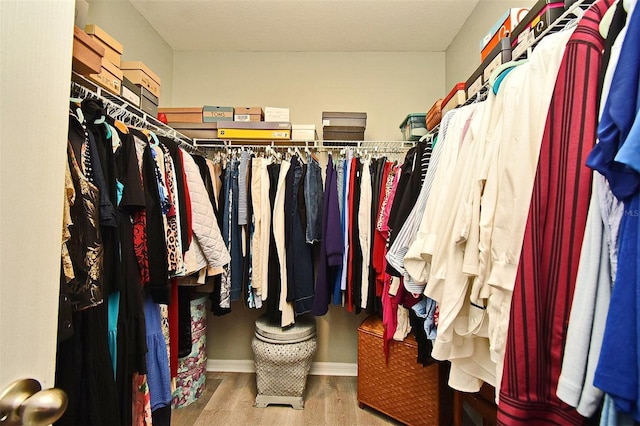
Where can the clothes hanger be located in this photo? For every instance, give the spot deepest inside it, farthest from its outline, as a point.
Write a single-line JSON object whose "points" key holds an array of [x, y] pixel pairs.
{"points": [[605, 22], [496, 77]]}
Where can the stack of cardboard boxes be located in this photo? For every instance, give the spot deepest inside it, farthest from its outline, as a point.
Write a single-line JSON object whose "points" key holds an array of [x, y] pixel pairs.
{"points": [[98, 57], [343, 126]]}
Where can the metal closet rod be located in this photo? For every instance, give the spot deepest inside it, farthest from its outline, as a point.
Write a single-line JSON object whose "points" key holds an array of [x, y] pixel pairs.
{"points": [[318, 146], [120, 109]]}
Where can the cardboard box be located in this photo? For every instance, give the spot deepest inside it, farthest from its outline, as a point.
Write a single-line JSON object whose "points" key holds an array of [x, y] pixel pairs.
{"points": [[276, 114], [498, 56], [211, 114], [87, 53], [254, 130], [196, 130], [248, 114], [457, 96], [343, 133], [349, 119], [541, 15], [391, 385], [140, 74], [112, 48], [501, 29], [131, 92], [110, 77], [304, 132], [182, 115]]}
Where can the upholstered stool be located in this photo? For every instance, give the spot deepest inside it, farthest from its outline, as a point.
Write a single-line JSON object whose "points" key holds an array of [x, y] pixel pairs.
{"points": [[283, 359]]}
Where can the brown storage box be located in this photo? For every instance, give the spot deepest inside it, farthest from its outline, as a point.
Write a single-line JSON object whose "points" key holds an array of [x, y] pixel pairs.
{"points": [[110, 77], [140, 74], [401, 388], [434, 116], [248, 114], [112, 48], [87, 53], [182, 115], [196, 130]]}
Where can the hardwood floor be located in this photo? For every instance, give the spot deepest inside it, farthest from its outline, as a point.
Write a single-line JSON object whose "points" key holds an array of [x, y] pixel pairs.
{"points": [[229, 400]]}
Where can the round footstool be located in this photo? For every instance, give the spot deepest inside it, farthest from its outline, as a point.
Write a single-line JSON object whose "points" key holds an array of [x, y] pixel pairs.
{"points": [[283, 359]]}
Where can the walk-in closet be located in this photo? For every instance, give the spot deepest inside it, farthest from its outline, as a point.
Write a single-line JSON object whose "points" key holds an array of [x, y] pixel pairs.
{"points": [[419, 212]]}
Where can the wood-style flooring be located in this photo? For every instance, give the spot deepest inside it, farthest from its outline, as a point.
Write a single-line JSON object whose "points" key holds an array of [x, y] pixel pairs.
{"points": [[229, 399]]}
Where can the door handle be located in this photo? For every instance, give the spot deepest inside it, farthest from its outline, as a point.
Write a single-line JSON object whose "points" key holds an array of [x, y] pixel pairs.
{"points": [[24, 402]]}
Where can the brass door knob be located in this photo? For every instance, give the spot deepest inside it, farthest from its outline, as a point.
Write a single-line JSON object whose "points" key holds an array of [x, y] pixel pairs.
{"points": [[24, 402]]}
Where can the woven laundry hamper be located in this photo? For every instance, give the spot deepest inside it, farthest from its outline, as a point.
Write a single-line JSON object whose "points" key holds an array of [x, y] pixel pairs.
{"points": [[192, 369], [283, 359]]}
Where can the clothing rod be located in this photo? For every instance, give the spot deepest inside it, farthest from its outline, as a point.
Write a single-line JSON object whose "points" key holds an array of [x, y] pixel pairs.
{"points": [[319, 146], [122, 110]]}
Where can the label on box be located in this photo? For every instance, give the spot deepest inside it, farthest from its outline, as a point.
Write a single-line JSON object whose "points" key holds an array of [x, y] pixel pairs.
{"points": [[130, 96], [475, 87], [525, 40], [242, 117], [280, 134], [326, 123], [495, 63], [218, 114]]}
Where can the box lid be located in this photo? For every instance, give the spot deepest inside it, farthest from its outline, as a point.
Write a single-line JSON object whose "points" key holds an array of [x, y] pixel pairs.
{"points": [[303, 329], [139, 65], [536, 10], [456, 89], [303, 126], [418, 115], [193, 126], [343, 114], [104, 36], [261, 125], [85, 39], [181, 110], [518, 13], [113, 69]]}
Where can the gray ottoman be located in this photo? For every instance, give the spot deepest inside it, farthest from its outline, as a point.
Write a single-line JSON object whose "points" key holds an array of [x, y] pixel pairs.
{"points": [[283, 359]]}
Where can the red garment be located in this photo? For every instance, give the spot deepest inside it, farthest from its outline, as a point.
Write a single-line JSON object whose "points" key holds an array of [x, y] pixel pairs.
{"points": [[173, 328], [548, 266], [187, 198], [379, 237], [140, 245], [352, 184]]}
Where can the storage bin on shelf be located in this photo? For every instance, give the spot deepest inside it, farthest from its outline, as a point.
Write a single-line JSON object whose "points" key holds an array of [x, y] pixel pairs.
{"points": [[283, 360], [414, 126]]}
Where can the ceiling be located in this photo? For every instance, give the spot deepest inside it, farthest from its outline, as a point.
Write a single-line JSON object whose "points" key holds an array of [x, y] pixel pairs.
{"points": [[307, 25]]}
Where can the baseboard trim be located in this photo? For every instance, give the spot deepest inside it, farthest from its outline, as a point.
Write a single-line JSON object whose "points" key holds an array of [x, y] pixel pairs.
{"points": [[317, 368]]}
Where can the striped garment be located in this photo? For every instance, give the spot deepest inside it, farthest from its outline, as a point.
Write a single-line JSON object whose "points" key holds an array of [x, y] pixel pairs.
{"points": [[553, 238]]}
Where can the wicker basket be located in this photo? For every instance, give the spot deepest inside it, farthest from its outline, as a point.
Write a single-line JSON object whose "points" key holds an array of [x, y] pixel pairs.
{"points": [[283, 360], [402, 389]]}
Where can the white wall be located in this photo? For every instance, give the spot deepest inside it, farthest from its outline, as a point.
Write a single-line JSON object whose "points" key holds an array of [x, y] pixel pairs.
{"points": [[141, 42], [34, 37], [387, 86], [463, 54]]}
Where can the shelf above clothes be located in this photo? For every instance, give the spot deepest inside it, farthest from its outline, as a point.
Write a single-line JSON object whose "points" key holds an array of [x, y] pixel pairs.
{"points": [[124, 111], [317, 145]]}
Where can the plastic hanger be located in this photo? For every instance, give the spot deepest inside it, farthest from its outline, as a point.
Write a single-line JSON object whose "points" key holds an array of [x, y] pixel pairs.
{"points": [[605, 22], [499, 73]]}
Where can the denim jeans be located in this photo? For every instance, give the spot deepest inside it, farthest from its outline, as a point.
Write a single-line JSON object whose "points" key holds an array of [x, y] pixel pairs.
{"points": [[313, 197]]}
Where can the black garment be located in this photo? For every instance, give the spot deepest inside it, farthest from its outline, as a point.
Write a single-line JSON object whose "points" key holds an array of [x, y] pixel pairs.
{"points": [[298, 253], [173, 148], [184, 320], [84, 372], [132, 341], [273, 300], [246, 270], [356, 258], [93, 110], [374, 303], [159, 286], [407, 196], [161, 416], [424, 345]]}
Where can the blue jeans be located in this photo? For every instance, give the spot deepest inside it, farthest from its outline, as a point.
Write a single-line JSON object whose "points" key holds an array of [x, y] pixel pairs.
{"points": [[313, 199]]}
